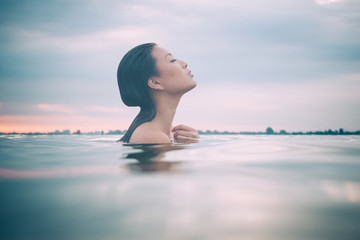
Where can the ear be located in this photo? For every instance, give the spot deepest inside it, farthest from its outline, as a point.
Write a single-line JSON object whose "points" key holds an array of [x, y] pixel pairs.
{"points": [[153, 83]]}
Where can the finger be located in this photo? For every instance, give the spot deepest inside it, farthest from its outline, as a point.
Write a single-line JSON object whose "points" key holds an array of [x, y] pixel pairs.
{"points": [[183, 127], [188, 134], [181, 139]]}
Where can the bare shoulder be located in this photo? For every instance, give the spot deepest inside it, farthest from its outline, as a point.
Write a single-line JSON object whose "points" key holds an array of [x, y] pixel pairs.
{"points": [[146, 133]]}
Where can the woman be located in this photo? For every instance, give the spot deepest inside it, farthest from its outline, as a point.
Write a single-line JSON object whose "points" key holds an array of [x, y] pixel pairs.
{"points": [[151, 78]]}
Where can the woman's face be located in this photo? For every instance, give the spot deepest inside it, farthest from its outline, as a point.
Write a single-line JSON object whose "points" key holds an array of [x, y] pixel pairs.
{"points": [[174, 76]]}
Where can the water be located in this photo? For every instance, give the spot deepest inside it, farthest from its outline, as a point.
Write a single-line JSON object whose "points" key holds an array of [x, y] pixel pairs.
{"points": [[224, 187]]}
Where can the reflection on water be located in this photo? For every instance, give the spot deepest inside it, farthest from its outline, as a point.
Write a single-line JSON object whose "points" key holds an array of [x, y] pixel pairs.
{"points": [[225, 187], [150, 157], [342, 191]]}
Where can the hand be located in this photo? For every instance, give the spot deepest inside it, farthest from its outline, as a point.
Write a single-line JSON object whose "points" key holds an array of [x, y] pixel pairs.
{"points": [[185, 134]]}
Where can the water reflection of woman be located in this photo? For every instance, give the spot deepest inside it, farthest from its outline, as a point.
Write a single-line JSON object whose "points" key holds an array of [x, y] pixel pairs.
{"points": [[150, 158], [151, 78]]}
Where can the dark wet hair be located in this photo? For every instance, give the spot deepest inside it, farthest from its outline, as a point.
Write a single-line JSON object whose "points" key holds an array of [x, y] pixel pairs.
{"points": [[134, 71]]}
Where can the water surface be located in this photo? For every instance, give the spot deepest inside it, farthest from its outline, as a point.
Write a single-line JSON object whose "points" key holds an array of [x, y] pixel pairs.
{"points": [[224, 187]]}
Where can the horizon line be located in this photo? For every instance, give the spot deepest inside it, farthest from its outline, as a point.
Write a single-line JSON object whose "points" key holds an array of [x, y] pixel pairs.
{"points": [[268, 131]]}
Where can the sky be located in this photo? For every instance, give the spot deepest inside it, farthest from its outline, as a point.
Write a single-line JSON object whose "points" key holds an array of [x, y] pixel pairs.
{"points": [[285, 64]]}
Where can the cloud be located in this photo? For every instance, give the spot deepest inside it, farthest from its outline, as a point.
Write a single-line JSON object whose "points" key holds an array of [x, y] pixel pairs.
{"points": [[55, 108], [66, 53], [60, 122], [103, 109], [330, 2], [110, 39], [321, 2], [51, 117]]}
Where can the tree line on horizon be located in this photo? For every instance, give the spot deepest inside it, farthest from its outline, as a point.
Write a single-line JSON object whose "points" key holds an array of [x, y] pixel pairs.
{"points": [[268, 131]]}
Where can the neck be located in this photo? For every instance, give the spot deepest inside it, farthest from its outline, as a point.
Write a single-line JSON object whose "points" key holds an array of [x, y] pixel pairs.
{"points": [[165, 111]]}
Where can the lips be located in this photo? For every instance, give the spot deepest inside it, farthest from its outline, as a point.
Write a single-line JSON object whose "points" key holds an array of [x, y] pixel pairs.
{"points": [[191, 75]]}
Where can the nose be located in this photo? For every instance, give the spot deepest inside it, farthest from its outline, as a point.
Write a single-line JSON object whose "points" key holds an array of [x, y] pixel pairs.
{"points": [[183, 64]]}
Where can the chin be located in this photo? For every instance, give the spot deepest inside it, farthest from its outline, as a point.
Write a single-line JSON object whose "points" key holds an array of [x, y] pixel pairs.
{"points": [[193, 85]]}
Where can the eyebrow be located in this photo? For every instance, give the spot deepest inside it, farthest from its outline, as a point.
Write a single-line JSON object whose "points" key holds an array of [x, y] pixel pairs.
{"points": [[169, 54]]}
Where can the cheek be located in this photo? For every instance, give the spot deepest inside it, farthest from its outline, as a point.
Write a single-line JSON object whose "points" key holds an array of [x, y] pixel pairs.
{"points": [[170, 72], [174, 77]]}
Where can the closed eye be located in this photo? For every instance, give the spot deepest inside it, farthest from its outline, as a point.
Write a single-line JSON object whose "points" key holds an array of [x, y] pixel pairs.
{"points": [[173, 60]]}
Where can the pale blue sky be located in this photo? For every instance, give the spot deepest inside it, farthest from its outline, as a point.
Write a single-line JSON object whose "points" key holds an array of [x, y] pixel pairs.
{"points": [[289, 64]]}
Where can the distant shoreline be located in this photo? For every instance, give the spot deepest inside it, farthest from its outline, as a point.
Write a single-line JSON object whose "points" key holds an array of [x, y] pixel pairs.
{"points": [[269, 131]]}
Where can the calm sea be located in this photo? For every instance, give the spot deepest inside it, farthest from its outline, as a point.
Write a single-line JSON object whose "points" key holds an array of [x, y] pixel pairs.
{"points": [[224, 187]]}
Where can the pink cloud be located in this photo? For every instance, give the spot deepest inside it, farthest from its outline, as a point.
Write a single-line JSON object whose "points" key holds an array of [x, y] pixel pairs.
{"points": [[52, 122], [98, 108], [55, 108]]}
